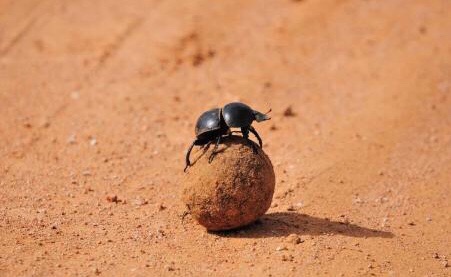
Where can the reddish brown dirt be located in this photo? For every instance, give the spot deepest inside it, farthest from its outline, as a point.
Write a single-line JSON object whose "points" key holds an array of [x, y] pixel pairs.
{"points": [[98, 101]]}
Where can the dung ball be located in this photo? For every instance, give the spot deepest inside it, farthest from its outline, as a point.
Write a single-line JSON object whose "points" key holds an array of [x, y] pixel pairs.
{"points": [[235, 189]]}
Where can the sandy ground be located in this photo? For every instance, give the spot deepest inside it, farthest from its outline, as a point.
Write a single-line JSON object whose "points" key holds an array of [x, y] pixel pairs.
{"points": [[99, 98]]}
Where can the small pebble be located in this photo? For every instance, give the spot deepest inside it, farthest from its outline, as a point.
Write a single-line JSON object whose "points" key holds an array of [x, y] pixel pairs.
{"points": [[72, 139], [93, 142], [357, 200], [289, 112], [294, 239], [161, 207], [112, 198], [287, 258], [170, 268], [75, 95]]}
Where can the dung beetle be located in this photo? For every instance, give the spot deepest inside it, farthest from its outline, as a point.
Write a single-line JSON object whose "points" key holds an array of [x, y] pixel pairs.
{"points": [[213, 124]]}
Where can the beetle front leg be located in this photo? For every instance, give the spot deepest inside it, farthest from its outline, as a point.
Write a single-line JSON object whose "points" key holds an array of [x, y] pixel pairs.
{"points": [[206, 145], [187, 161], [213, 153]]}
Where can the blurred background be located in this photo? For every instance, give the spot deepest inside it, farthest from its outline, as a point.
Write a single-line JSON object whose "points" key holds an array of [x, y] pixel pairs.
{"points": [[98, 101]]}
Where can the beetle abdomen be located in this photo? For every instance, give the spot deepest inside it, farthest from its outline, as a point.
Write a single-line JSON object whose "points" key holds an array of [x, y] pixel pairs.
{"points": [[238, 115]]}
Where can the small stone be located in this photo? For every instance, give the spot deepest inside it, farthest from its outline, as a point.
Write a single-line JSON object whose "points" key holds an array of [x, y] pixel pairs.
{"points": [[288, 112], [170, 268], [161, 233], [435, 256], [357, 200], [141, 202], [445, 263], [86, 173], [112, 198], [72, 139], [281, 248], [287, 258], [44, 123], [294, 239], [93, 142], [75, 95]]}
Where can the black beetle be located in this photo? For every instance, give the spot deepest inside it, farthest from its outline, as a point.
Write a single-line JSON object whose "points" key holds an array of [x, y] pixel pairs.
{"points": [[212, 125]]}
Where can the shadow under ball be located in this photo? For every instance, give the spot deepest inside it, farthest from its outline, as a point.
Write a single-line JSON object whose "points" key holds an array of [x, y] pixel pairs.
{"points": [[235, 189]]}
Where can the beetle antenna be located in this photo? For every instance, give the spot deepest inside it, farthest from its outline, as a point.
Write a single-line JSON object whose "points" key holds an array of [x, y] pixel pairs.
{"points": [[268, 111]]}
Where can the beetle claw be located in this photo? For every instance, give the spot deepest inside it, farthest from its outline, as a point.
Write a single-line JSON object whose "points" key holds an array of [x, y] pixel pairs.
{"points": [[253, 146], [210, 159]]}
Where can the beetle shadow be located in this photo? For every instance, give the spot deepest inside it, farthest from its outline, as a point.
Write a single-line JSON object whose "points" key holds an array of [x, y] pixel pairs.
{"points": [[282, 224]]}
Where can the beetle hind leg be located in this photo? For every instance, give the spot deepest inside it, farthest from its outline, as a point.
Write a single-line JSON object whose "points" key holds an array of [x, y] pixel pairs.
{"points": [[245, 132], [253, 131]]}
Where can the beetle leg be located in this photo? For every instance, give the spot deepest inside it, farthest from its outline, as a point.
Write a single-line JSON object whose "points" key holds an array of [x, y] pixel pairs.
{"points": [[206, 145], [210, 159], [245, 132], [188, 163], [253, 131]]}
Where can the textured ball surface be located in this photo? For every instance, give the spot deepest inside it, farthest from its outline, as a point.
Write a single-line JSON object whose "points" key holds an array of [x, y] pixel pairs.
{"points": [[235, 189]]}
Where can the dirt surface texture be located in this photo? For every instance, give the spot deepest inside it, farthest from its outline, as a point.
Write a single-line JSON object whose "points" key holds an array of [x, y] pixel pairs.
{"points": [[230, 186], [98, 101]]}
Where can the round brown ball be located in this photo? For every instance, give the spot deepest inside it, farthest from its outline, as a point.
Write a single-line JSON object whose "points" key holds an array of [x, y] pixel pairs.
{"points": [[235, 189]]}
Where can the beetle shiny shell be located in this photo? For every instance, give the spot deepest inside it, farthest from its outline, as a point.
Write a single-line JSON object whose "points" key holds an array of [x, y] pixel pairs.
{"points": [[208, 121], [238, 115], [213, 124]]}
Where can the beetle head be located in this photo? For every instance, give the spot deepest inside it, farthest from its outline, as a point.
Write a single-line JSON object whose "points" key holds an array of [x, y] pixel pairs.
{"points": [[259, 117]]}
